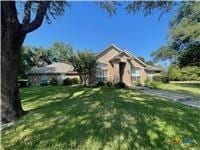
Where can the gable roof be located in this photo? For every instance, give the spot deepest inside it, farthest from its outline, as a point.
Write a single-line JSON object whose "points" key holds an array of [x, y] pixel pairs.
{"points": [[121, 51], [55, 68], [133, 56], [107, 48]]}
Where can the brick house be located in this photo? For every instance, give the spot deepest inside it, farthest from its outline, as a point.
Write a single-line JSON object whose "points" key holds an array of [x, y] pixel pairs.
{"points": [[114, 65], [58, 71]]}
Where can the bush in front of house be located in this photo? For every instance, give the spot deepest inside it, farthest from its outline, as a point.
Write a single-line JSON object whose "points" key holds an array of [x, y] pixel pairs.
{"points": [[155, 84], [109, 84], [138, 83], [147, 83], [74, 80], [161, 78], [120, 85], [100, 83], [67, 81], [53, 81], [157, 78]]}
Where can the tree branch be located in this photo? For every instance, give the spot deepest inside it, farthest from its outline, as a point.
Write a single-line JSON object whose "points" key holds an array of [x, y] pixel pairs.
{"points": [[36, 23], [27, 12]]}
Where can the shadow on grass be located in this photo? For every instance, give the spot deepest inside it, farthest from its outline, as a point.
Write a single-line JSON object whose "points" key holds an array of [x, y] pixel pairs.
{"points": [[98, 118]]}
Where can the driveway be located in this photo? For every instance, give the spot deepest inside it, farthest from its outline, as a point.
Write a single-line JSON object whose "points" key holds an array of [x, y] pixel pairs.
{"points": [[177, 97]]}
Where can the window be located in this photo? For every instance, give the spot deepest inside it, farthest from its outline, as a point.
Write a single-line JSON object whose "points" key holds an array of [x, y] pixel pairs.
{"points": [[101, 75], [135, 74], [44, 79], [102, 72]]}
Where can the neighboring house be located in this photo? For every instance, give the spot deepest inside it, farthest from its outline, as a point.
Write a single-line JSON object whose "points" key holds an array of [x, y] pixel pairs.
{"points": [[115, 65], [59, 71]]}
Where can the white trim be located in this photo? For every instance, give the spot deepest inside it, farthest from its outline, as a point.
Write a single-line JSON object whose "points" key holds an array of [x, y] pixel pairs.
{"points": [[135, 57], [103, 76]]}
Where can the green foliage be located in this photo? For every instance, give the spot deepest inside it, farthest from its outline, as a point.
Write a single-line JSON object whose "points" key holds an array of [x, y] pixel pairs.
{"points": [[120, 85], [53, 81], [67, 81], [60, 52], [190, 56], [163, 53], [75, 80], [147, 7], [109, 84], [84, 63], [41, 56], [26, 61], [174, 73], [184, 37], [157, 78], [138, 83], [161, 78], [188, 73], [186, 24], [100, 83], [155, 84]]}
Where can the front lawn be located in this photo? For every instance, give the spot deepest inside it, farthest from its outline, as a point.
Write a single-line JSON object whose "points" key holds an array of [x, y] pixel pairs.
{"points": [[185, 88], [63, 117]]}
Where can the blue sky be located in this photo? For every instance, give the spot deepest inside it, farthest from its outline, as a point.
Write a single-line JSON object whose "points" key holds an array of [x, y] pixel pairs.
{"points": [[86, 26]]}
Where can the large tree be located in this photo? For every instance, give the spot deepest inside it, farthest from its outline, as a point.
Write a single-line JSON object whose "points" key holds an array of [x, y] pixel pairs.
{"points": [[184, 37], [14, 31]]}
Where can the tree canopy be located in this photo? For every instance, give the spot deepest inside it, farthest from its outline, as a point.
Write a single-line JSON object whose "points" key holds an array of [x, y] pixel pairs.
{"points": [[60, 52], [184, 37], [84, 63]]}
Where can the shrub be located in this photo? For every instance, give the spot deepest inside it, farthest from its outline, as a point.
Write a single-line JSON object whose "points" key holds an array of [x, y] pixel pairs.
{"points": [[183, 74], [53, 81], [67, 81], [138, 83], [100, 83], [155, 84], [165, 79], [120, 85], [190, 73], [161, 78], [174, 73], [157, 78], [75, 81], [147, 82], [109, 84]]}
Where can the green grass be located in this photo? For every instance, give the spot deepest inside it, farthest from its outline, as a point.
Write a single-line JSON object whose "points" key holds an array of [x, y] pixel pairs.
{"points": [[190, 89], [63, 117]]}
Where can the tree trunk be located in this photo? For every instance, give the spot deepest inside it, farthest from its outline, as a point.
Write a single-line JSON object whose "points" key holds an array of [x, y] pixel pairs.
{"points": [[11, 42]]}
